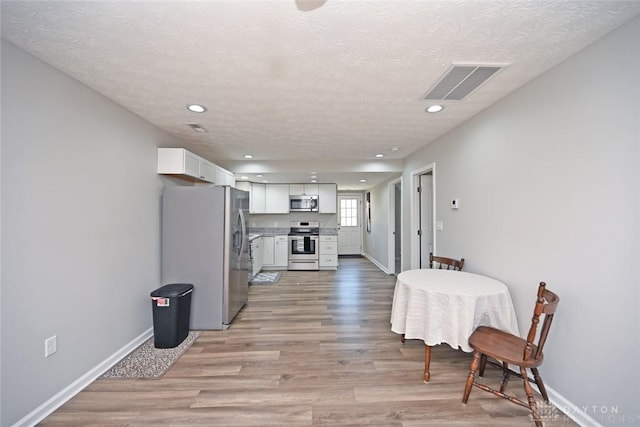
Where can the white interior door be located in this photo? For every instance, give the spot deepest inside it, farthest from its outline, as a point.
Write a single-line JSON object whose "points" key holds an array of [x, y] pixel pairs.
{"points": [[349, 224]]}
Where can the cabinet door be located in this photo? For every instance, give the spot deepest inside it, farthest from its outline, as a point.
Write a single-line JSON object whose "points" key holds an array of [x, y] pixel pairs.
{"points": [[277, 198], [224, 177], [257, 199], [178, 161], [282, 252], [191, 164], [257, 255], [268, 251], [208, 171], [303, 189], [327, 198]]}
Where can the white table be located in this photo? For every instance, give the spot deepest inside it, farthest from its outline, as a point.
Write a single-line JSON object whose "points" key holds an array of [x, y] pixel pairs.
{"points": [[446, 306]]}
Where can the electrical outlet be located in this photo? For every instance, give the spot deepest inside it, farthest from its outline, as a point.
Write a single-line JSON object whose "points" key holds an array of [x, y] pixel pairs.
{"points": [[50, 345]]}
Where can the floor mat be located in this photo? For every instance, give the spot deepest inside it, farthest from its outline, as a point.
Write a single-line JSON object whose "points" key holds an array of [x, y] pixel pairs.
{"points": [[266, 278], [147, 361]]}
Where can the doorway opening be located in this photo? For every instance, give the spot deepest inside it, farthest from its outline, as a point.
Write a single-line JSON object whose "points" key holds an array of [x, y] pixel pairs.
{"points": [[395, 226], [423, 214]]}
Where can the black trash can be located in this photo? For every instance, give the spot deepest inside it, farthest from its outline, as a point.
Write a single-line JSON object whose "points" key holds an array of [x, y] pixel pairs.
{"points": [[171, 311]]}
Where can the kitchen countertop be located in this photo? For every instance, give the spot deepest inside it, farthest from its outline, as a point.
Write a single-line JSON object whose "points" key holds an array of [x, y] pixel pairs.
{"points": [[260, 232]]}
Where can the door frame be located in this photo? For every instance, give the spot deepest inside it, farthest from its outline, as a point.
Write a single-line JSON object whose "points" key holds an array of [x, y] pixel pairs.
{"points": [[391, 189], [415, 211], [361, 216]]}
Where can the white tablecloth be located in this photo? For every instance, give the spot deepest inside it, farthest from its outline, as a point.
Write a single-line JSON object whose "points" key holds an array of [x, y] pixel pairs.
{"points": [[446, 306]]}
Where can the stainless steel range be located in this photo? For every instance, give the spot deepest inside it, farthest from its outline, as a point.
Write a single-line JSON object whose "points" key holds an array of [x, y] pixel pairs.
{"points": [[303, 245]]}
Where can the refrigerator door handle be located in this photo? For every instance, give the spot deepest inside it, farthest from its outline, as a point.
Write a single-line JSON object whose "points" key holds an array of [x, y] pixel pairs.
{"points": [[243, 232]]}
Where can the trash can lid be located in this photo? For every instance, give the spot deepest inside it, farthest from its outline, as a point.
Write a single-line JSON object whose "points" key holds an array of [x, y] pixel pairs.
{"points": [[172, 290]]}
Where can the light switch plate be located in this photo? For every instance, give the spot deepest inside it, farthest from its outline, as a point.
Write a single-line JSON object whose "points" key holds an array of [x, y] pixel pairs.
{"points": [[439, 226], [50, 345]]}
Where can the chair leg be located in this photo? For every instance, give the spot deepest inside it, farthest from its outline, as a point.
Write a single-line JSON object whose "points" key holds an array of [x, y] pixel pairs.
{"points": [[402, 338], [483, 364], [540, 384], [471, 376], [505, 376], [532, 401]]}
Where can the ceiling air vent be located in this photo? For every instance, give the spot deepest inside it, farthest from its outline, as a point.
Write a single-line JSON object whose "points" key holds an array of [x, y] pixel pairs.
{"points": [[461, 80]]}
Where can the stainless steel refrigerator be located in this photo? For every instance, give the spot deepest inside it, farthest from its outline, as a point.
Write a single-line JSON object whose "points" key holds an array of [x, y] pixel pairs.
{"points": [[205, 243]]}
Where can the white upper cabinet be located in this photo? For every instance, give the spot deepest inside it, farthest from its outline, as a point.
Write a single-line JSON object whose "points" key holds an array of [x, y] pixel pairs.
{"points": [[277, 198], [327, 198], [224, 177], [208, 172], [274, 198], [303, 189], [257, 198], [178, 161]]}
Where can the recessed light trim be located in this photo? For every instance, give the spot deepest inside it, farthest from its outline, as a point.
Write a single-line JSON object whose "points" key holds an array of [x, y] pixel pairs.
{"points": [[196, 108], [363, 180], [436, 108], [248, 156], [379, 155]]}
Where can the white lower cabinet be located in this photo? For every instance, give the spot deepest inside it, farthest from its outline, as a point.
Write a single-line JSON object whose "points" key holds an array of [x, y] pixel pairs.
{"points": [[275, 254], [282, 251], [328, 252], [268, 251], [257, 255]]}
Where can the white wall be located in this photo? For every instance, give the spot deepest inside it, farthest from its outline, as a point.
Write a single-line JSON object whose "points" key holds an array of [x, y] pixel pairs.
{"points": [[376, 241], [549, 187], [80, 229]]}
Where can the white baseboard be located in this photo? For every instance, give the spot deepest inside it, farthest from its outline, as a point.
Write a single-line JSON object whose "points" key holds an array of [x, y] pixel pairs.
{"points": [[42, 411], [578, 415], [373, 260]]}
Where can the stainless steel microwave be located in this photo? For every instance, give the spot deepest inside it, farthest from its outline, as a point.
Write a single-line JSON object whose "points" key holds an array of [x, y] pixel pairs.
{"points": [[303, 203]]}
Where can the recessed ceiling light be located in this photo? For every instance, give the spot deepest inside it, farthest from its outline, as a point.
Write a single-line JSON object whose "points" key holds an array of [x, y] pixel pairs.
{"points": [[395, 149], [434, 108], [265, 181], [248, 156], [196, 108], [244, 177], [314, 180], [363, 180], [379, 155], [259, 175]]}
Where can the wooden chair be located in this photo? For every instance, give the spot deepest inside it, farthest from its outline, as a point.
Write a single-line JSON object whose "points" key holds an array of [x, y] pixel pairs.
{"points": [[510, 349], [449, 262]]}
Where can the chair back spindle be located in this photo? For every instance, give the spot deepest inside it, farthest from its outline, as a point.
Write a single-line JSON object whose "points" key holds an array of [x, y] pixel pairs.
{"points": [[450, 263], [546, 304]]}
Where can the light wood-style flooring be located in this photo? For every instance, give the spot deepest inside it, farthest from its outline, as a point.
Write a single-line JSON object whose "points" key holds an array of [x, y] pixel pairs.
{"points": [[314, 349]]}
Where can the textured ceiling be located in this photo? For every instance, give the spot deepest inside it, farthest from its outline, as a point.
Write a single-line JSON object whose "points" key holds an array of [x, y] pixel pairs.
{"points": [[301, 89]]}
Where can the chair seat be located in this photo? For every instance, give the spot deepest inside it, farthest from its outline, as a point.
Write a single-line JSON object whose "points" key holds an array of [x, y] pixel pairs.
{"points": [[503, 346]]}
